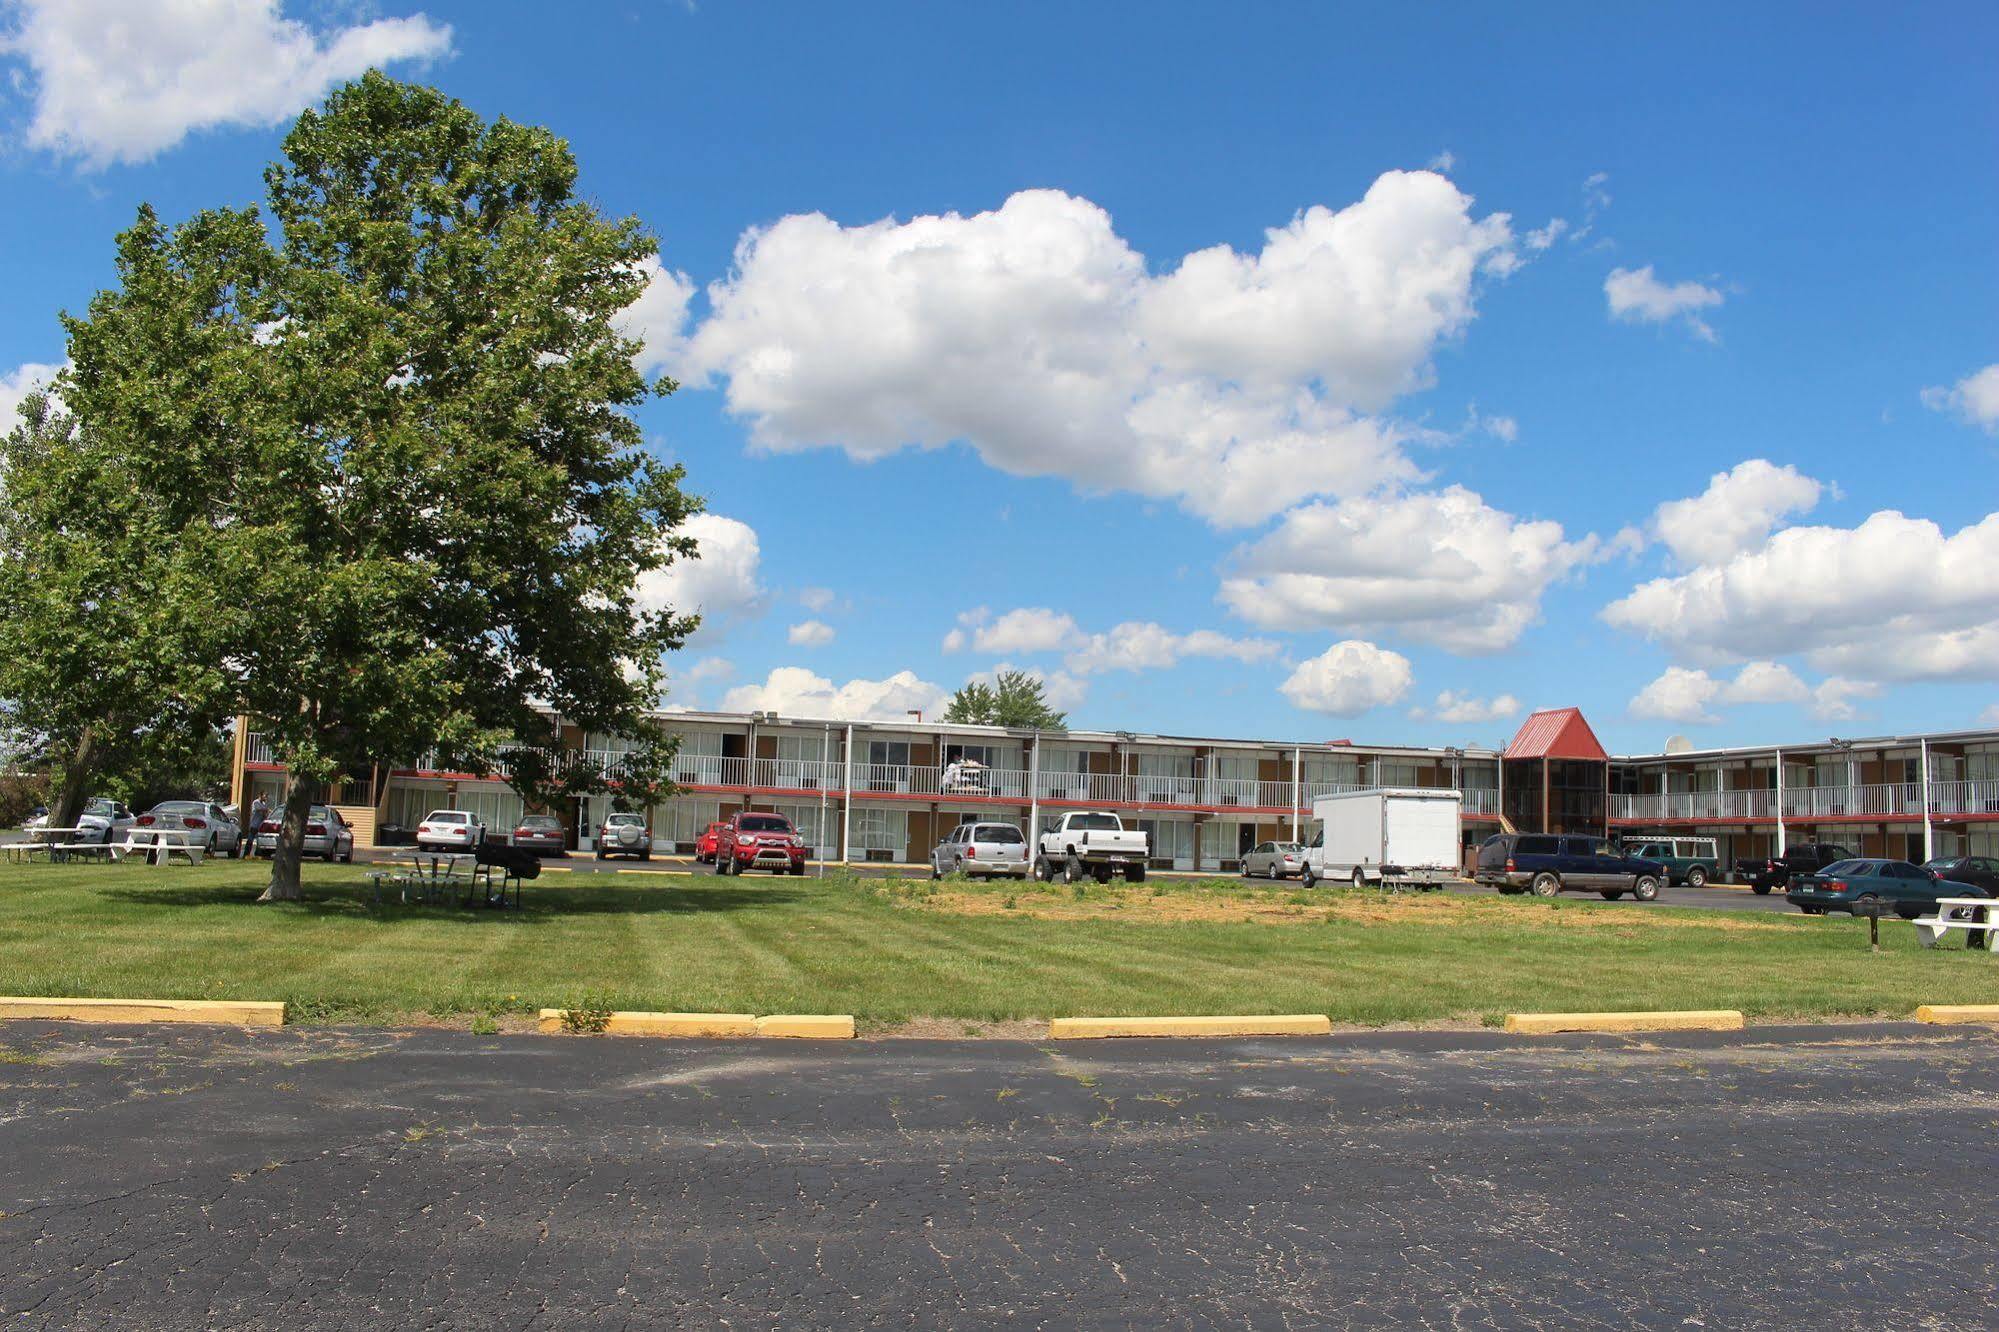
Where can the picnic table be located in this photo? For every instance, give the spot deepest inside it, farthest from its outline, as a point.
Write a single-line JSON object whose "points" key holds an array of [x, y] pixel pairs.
{"points": [[1970, 914], [474, 878]]}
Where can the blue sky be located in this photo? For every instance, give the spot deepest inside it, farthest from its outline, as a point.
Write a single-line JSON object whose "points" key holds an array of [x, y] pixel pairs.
{"points": [[1543, 270]]}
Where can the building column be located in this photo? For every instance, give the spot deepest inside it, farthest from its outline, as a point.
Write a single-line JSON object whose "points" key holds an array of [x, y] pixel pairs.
{"points": [[1779, 811], [1297, 792], [1929, 830], [1034, 790], [847, 801]]}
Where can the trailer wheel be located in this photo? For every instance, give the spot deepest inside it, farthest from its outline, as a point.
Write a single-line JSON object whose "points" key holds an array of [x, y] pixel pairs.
{"points": [[1308, 878], [1359, 877]]}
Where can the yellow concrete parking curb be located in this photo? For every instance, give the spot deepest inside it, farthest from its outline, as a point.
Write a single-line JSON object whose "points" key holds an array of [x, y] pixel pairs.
{"points": [[1298, 1024], [227, 1012], [664, 1024], [1958, 1013], [1542, 1024], [808, 1026], [803, 1026]]}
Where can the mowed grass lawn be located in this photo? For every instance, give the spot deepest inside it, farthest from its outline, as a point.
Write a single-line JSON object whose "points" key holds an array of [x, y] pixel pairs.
{"points": [[902, 950]]}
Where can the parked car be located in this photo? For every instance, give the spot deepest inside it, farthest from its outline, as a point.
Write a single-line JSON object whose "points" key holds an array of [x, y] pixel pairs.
{"points": [[759, 841], [1091, 844], [983, 850], [1689, 860], [1849, 885], [328, 836], [201, 823], [541, 834], [102, 821], [1273, 860], [704, 845], [1545, 864], [1978, 871], [624, 834], [450, 830], [1766, 872]]}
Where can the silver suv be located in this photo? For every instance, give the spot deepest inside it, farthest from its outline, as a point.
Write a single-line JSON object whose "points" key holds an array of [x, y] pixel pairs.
{"points": [[983, 850]]}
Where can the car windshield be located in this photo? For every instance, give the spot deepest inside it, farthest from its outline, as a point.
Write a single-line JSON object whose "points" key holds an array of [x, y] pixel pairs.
{"points": [[1288, 846], [541, 821], [100, 806], [625, 820], [1847, 867], [766, 823], [444, 816], [997, 833], [1943, 863], [180, 807], [1107, 822]]}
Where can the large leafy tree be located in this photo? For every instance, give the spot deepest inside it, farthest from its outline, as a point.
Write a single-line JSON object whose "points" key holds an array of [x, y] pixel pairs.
{"points": [[110, 644], [1014, 698], [431, 509]]}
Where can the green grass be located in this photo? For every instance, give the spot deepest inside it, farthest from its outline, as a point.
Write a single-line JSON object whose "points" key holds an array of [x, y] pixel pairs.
{"points": [[888, 953]]}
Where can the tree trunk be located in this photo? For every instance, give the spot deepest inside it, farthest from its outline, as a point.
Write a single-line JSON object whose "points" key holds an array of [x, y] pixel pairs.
{"points": [[301, 794], [77, 775]]}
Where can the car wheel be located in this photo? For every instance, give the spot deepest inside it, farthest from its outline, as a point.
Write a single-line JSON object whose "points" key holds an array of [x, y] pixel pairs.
{"points": [[1134, 874], [1612, 894], [1760, 889], [1359, 877], [1909, 910], [1545, 885], [1697, 877], [1865, 902], [1812, 911], [935, 873], [1645, 888], [1072, 869]]}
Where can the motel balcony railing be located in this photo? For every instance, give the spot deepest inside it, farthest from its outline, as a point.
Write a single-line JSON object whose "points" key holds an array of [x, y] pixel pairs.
{"points": [[944, 783], [1882, 800]]}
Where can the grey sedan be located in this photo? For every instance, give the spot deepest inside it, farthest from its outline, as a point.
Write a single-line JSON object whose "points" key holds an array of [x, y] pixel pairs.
{"points": [[1273, 860], [541, 834]]}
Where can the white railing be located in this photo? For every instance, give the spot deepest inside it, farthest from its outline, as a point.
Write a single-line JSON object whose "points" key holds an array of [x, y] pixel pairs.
{"points": [[1882, 800]]}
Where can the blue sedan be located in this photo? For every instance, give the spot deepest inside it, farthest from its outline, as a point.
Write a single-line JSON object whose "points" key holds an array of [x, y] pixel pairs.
{"points": [[1848, 885]]}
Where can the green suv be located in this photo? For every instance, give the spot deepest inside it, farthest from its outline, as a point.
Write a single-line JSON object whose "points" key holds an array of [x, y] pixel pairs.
{"points": [[1689, 860]]}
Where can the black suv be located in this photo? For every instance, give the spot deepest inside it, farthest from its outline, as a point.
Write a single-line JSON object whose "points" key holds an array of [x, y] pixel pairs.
{"points": [[1545, 864], [1767, 872]]}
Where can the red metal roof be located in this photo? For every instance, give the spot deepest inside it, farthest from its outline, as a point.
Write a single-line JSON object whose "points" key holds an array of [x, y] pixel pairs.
{"points": [[1558, 733]]}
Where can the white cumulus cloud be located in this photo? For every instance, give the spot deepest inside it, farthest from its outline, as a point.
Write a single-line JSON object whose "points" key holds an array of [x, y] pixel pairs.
{"points": [[114, 81], [1035, 333], [658, 318], [1895, 598], [1144, 646], [723, 584], [1348, 679], [1765, 682], [1638, 297], [1738, 509], [1680, 694], [1975, 398], [1061, 690], [793, 691], [809, 633], [17, 385], [1452, 706], [1441, 566]]}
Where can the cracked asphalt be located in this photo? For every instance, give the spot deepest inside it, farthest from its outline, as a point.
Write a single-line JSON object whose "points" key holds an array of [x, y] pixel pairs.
{"points": [[1816, 1177]]}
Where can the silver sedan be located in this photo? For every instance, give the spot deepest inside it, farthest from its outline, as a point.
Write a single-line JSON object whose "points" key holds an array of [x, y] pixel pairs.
{"points": [[1273, 860]]}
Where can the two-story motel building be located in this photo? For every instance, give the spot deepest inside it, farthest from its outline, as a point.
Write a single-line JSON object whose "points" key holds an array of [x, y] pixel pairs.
{"points": [[886, 791]]}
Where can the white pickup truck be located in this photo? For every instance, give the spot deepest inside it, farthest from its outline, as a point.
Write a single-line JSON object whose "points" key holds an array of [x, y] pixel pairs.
{"points": [[1091, 844]]}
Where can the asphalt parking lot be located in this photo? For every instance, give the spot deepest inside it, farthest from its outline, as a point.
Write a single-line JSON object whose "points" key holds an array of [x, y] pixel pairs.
{"points": [[1715, 896], [1804, 1178]]}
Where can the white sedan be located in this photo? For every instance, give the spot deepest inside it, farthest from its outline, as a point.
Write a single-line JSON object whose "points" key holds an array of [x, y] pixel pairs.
{"points": [[450, 830], [201, 823]]}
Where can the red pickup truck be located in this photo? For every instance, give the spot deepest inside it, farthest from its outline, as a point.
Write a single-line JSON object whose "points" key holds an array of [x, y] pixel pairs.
{"points": [[759, 841]]}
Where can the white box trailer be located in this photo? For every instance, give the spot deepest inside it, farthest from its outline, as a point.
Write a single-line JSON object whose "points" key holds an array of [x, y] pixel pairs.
{"points": [[1397, 837]]}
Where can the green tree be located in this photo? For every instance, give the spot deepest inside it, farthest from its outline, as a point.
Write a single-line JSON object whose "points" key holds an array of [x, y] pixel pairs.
{"points": [[108, 650], [1014, 698], [431, 510]]}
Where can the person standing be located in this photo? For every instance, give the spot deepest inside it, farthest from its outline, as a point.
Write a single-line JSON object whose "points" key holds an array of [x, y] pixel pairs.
{"points": [[260, 809]]}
